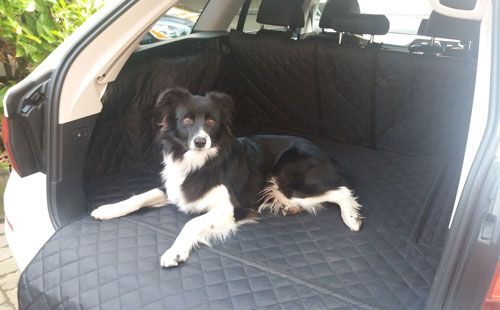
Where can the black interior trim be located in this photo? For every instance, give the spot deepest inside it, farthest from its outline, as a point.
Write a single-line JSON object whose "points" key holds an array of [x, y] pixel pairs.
{"points": [[243, 15]]}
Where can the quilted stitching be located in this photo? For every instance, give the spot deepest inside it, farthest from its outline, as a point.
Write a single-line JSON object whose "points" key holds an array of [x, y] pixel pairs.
{"points": [[125, 130], [269, 74], [114, 265], [423, 104], [287, 256], [345, 87]]}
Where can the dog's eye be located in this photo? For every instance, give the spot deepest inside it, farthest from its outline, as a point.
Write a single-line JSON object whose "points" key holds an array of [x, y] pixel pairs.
{"points": [[188, 120], [210, 122]]}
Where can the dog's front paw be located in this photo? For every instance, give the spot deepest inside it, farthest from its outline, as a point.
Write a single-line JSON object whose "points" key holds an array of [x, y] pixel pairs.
{"points": [[107, 212], [173, 257]]}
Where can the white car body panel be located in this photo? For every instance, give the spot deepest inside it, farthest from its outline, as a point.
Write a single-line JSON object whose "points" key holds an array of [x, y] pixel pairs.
{"points": [[28, 224]]}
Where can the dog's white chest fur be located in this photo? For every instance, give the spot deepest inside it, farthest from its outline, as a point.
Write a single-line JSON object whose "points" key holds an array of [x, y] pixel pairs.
{"points": [[175, 172]]}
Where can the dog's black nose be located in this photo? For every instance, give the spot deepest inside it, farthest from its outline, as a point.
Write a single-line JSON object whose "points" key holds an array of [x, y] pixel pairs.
{"points": [[200, 142]]}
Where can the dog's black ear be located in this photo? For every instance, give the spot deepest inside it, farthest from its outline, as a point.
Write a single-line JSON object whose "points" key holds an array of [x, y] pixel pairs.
{"points": [[167, 101], [171, 97], [227, 105]]}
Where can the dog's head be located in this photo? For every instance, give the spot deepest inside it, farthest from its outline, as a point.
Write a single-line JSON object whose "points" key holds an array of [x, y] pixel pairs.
{"points": [[197, 122]]}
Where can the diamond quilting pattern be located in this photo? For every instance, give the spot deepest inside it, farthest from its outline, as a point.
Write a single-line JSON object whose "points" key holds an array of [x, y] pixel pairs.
{"points": [[282, 262], [268, 76], [423, 104], [114, 265]]}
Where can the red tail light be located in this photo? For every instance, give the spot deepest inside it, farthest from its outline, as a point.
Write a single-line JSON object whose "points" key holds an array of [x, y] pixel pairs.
{"points": [[492, 300], [6, 142]]}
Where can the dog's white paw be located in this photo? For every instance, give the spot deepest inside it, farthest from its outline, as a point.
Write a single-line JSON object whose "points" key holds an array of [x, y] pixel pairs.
{"points": [[107, 212], [173, 257], [352, 220], [292, 210]]}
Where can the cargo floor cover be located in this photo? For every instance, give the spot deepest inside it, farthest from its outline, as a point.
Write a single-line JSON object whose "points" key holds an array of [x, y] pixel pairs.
{"points": [[301, 261]]}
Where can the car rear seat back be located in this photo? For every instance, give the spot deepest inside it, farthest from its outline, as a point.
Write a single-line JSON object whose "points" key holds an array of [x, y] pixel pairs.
{"points": [[423, 104], [365, 96], [268, 75], [279, 81]]}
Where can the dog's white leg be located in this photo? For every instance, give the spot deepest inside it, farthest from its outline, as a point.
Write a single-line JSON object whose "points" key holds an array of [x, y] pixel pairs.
{"points": [[217, 223], [349, 207], [153, 198]]}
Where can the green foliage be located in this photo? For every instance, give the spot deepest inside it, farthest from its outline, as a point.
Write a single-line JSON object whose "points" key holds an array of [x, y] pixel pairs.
{"points": [[31, 29]]}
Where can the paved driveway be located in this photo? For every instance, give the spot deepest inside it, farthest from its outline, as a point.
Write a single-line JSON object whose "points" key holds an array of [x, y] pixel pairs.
{"points": [[9, 275]]}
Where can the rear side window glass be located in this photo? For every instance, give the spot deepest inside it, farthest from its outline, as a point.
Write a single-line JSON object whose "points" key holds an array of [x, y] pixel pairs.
{"points": [[178, 21]]}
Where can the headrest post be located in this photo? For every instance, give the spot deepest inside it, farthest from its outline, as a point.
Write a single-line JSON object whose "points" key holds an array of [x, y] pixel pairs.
{"points": [[372, 38], [358, 24], [261, 26], [340, 37]]}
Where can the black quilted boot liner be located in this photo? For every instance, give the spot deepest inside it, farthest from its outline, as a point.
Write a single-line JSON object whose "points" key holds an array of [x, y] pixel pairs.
{"points": [[295, 262]]}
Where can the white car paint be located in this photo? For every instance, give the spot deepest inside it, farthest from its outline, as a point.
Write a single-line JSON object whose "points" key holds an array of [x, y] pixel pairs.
{"points": [[28, 225]]}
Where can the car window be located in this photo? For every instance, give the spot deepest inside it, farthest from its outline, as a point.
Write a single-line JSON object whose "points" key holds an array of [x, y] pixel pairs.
{"points": [[404, 17], [178, 21]]}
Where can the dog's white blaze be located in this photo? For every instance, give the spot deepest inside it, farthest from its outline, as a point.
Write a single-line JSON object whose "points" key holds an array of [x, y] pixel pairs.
{"points": [[201, 134], [175, 171], [152, 198], [216, 224], [275, 201]]}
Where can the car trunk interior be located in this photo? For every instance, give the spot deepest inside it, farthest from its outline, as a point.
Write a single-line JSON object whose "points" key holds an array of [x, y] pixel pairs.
{"points": [[396, 123]]}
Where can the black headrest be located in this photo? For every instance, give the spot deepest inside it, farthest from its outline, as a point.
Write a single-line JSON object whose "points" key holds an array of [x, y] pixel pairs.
{"points": [[337, 7], [442, 26], [286, 13], [360, 24]]}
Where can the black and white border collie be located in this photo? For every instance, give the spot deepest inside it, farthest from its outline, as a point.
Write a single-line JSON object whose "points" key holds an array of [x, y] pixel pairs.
{"points": [[230, 180]]}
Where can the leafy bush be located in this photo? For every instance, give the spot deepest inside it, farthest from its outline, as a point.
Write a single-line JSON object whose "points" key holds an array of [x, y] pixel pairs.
{"points": [[31, 29]]}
